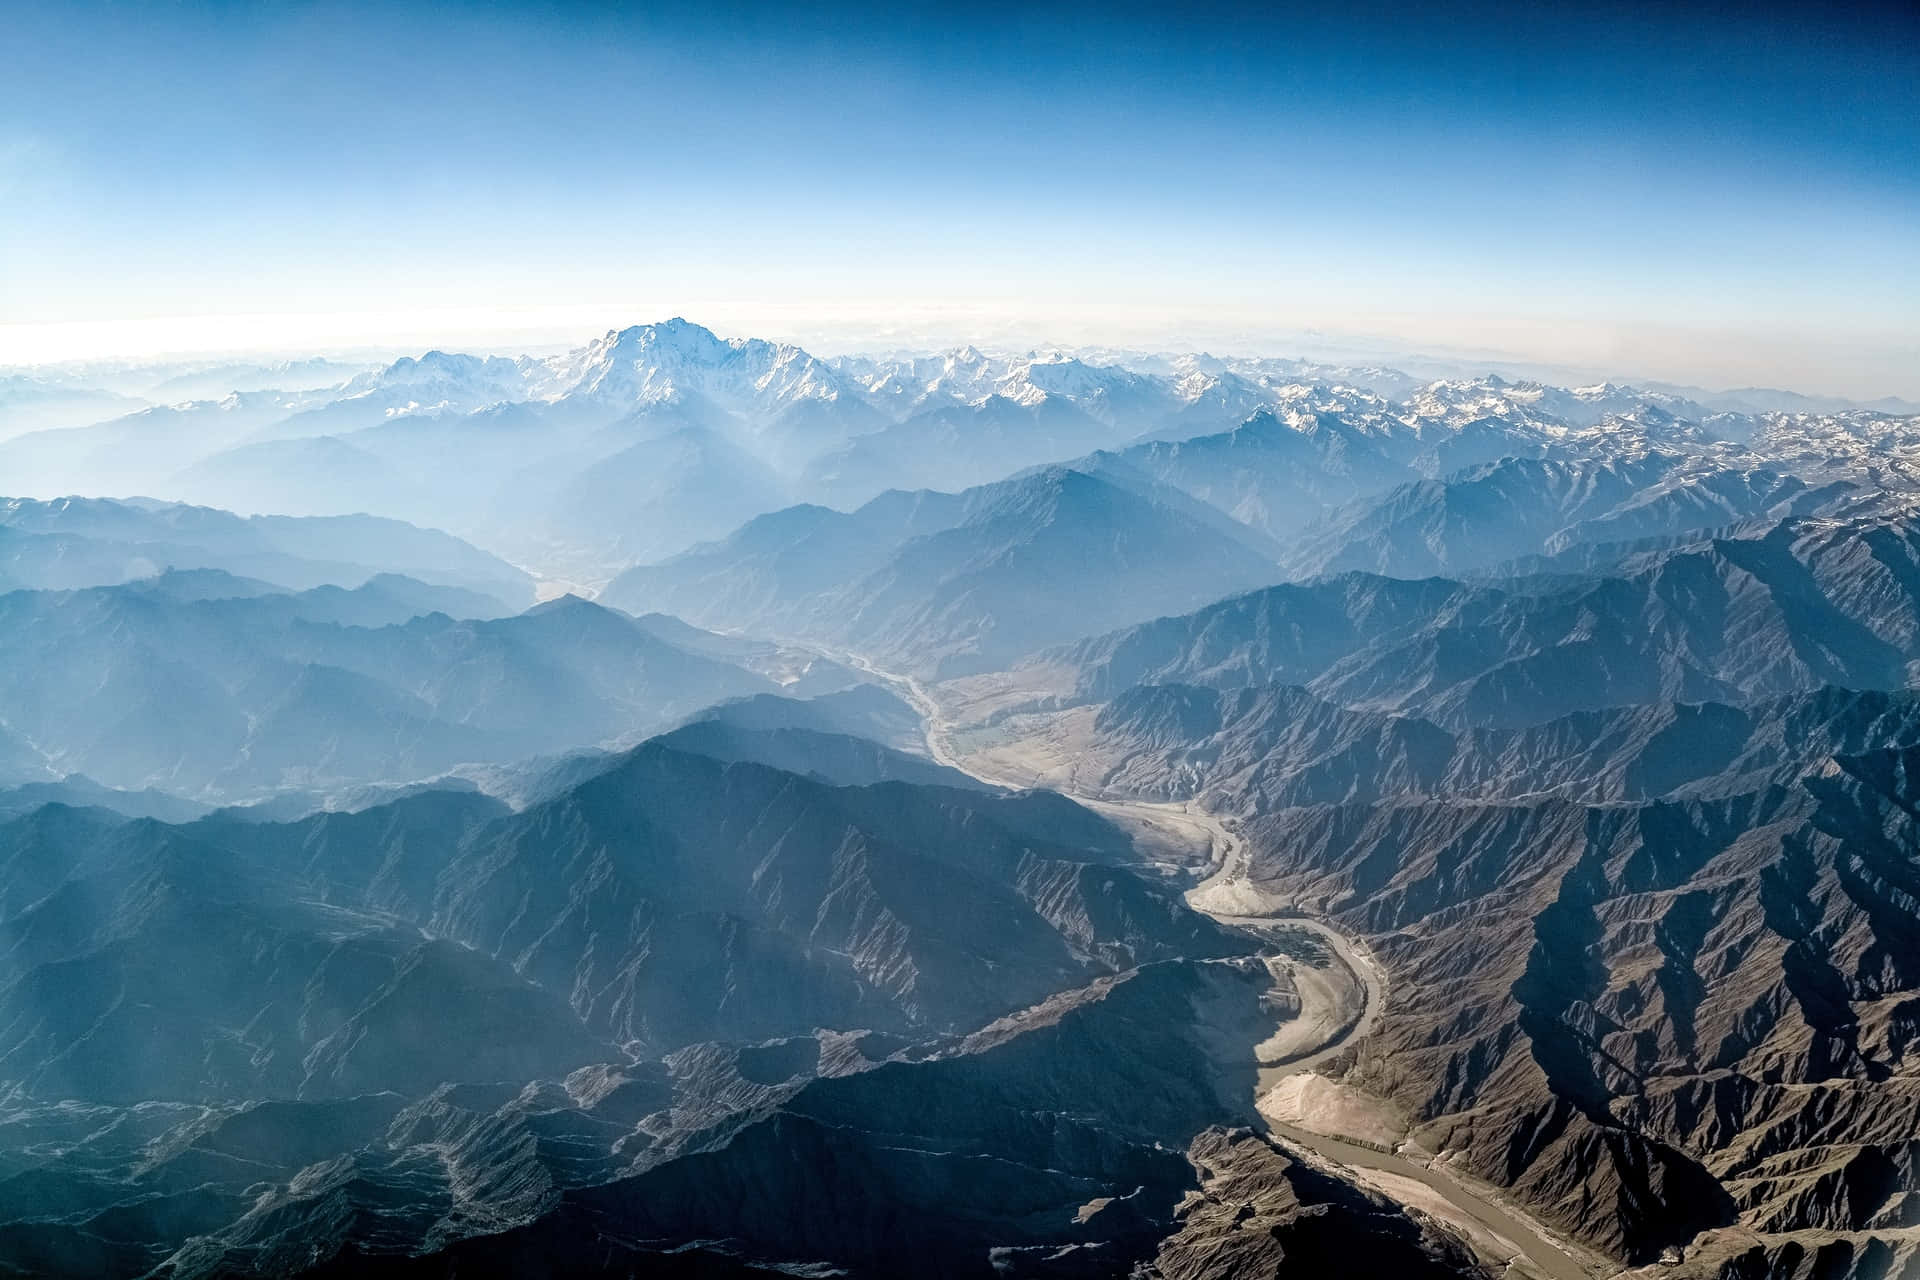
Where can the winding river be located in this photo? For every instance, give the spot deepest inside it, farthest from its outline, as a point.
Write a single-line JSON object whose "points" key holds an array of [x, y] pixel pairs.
{"points": [[1226, 895]]}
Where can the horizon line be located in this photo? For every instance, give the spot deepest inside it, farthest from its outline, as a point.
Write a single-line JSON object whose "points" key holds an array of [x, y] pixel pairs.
{"points": [[553, 330]]}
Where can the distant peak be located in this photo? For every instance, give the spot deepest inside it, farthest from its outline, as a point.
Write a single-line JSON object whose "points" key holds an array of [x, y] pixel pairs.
{"points": [[563, 604], [675, 329]]}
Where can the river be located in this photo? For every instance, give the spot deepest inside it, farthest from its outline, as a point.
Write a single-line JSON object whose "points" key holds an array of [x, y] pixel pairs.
{"points": [[1227, 895]]}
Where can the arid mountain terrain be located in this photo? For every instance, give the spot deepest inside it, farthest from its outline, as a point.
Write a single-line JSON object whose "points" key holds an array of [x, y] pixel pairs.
{"points": [[734, 812]]}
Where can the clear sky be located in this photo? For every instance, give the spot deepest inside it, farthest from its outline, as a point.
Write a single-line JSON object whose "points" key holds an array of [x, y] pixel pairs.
{"points": [[1725, 196]]}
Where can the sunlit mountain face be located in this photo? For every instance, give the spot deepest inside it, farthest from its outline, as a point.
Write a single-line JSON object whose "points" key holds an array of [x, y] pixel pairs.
{"points": [[1039, 643]]}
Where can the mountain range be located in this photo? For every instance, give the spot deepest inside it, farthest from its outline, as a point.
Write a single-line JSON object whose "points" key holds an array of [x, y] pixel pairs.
{"points": [[689, 806], [415, 954], [207, 686], [656, 437], [952, 583], [78, 542], [1788, 607]]}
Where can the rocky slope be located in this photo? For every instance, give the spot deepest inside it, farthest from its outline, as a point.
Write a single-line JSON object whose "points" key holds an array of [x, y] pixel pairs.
{"points": [[1259, 1213], [1278, 746], [1646, 1020], [1049, 1144]]}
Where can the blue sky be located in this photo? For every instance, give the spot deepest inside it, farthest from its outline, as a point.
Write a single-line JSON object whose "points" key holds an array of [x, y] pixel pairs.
{"points": [[1723, 196]]}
